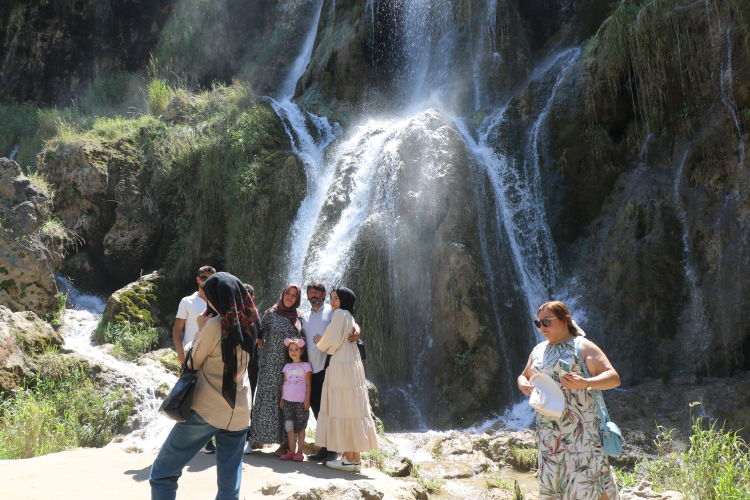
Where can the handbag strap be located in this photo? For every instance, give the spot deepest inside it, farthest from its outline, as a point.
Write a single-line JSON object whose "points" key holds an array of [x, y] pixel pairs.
{"points": [[189, 357], [602, 410]]}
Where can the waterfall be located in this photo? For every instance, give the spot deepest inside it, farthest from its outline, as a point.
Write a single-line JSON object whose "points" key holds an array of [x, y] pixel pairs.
{"points": [[300, 64], [520, 208], [356, 190], [81, 317], [14, 151], [697, 307], [727, 95], [310, 150]]}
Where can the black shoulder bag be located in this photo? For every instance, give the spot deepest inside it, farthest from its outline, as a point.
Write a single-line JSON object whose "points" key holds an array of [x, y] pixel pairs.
{"points": [[177, 405]]}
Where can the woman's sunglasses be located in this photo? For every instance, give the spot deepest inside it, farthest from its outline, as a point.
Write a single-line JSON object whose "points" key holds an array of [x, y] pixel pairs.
{"points": [[545, 322]]}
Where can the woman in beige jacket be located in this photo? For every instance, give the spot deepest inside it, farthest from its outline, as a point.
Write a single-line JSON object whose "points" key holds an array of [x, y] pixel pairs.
{"points": [[344, 420], [221, 352]]}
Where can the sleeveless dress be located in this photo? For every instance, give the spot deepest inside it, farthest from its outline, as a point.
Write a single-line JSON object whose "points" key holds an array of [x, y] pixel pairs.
{"points": [[266, 421], [572, 463]]}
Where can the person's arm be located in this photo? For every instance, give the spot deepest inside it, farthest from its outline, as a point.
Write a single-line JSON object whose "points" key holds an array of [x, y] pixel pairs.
{"points": [[601, 373], [335, 333], [281, 403], [308, 379], [206, 340], [523, 379], [264, 325], [355, 333], [177, 336]]}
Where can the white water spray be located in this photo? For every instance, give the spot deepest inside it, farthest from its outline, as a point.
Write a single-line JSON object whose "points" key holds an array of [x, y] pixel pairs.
{"points": [[79, 322]]}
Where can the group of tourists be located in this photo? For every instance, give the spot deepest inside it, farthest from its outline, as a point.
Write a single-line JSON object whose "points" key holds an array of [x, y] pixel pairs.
{"points": [[310, 361], [258, 379]]}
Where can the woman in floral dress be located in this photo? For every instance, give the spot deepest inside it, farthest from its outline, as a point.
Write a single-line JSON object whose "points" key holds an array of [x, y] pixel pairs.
{"points": [[572, 463], [279, 322]]}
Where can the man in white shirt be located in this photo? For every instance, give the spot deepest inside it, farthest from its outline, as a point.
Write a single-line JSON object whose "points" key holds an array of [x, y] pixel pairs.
{"points": [[314, 324], [190, 308]]}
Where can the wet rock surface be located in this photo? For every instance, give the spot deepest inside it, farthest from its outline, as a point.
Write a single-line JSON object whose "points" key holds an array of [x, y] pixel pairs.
{"points": [[30, 252]]}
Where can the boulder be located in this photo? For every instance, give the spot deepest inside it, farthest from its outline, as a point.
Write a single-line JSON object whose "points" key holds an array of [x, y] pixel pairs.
{"points": [[30, 244], [645, 490], [151, 300], [22, 335]]}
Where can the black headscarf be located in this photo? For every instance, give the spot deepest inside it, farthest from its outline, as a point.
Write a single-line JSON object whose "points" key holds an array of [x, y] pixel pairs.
{"points": [[346, 297], [237, 310]]}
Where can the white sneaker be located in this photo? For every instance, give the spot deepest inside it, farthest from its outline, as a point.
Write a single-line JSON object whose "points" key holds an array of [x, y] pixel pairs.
{"points": [[248, 449], [340, 464], [357, 466]]}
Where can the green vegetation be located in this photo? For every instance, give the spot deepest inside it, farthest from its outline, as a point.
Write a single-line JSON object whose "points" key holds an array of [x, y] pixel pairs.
{"points": [[55, 318], [715, 465], [53, 231], [376, 458], [195, 36], [645, 41], [61, 408], [428, 483], [524, 459], [493, 482], [386, 349], [158, 96], [130, 340]]}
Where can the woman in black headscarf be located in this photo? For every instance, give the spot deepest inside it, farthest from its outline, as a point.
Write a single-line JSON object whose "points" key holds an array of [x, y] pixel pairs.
{"points": [[221, 406], [344, 421]]}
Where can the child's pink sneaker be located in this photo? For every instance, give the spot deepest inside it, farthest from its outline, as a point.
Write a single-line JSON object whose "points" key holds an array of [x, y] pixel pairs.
{"points": [[298, 457], [287, 456]]}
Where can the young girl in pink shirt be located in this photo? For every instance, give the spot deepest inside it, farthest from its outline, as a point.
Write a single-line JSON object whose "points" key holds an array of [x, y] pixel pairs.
{"points": [[295, 396]]}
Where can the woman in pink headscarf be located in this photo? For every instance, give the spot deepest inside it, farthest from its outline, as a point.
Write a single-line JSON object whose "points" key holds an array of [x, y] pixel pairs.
{"points": [[279, 322]]}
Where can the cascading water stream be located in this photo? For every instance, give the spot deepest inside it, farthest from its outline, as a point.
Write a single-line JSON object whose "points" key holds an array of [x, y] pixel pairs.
{"points": [[310, 150], [520, 209], [697, 307], [727, 94], [80, 319]]}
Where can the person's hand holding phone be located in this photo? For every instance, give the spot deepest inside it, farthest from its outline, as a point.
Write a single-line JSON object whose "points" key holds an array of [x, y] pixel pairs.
{"points": [[203, 319]]}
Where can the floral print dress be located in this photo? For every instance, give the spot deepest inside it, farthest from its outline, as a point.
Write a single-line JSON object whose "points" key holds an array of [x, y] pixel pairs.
{"points": [[266, 421], [572, 463]]}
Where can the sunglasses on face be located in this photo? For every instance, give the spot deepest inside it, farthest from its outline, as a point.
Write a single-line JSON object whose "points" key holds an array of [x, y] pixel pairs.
{"points": [[203, 277], [546, 322]]}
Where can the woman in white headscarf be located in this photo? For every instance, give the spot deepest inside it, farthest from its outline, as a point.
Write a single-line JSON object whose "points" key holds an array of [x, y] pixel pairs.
{"points": [[572, 463]]}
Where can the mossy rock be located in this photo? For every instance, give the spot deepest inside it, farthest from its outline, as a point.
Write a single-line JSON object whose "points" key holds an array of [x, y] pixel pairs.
{"points": [[23, 336], [150, 301]]}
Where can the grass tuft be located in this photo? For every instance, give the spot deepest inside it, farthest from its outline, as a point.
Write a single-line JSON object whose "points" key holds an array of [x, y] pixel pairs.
{"points": [[130, 340]]}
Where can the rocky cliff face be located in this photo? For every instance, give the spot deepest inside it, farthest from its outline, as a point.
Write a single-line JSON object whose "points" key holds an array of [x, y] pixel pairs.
{"points": [[106, 194], [52, 50], [31, 244], [648, 152]]}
